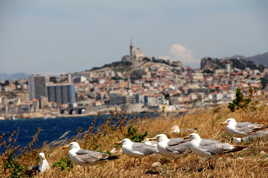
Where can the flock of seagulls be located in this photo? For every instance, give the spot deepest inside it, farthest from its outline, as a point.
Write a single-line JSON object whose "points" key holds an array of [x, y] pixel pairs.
{"points": [[169, 147]]}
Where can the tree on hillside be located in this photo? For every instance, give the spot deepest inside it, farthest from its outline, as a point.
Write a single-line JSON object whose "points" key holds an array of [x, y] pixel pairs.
{"points": [[240, 101]]}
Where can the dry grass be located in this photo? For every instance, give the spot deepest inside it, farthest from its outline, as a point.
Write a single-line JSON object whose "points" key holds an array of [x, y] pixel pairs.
{"points": [[247, 163]]}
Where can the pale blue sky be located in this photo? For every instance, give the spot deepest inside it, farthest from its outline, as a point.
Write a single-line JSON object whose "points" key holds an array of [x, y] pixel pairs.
{"points": [[74, 35]]}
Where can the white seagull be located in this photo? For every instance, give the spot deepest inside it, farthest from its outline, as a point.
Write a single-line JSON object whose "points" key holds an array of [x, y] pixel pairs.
{"points": [[41, 167], [241, 128], [209, 147], [83, 157], [175, 129], [137, 149], [43, 164], [171, 147]]}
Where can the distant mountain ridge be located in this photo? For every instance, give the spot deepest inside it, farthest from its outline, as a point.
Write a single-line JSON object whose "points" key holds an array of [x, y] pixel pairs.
{"points": [[240, 62], [259, 59], [14, 76], [212, 64]]}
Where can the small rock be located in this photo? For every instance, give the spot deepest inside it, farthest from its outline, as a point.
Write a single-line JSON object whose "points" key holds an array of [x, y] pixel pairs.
{"points": [[113, 151], [152, 172], [200, 169], [156, 164]]}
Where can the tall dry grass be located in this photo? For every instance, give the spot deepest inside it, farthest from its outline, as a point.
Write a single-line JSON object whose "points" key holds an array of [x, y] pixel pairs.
{"points": [[251, 162]]}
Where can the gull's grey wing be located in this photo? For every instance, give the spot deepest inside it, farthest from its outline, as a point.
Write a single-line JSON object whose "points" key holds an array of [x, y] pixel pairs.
{"points": [[206, 142], [248, 125], [144, 148], [88, 156], [179, 148], [261, 134], [175, 141], [246, 129], [216, 148]]}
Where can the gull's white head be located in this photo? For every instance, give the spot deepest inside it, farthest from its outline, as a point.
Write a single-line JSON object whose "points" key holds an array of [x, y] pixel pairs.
{"points": [[126, 141], [74, 145], [175, 129], [236, 140], [230, 122], [42, 156], [161, 137]]}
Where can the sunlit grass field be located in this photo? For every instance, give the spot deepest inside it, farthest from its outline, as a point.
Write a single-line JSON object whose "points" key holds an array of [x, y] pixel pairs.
{"points": [[251, 162]]}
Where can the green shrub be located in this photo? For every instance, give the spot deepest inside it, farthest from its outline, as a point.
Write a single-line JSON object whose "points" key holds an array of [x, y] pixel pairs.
{"points": [[63, 164], [133, 134], [16, 170]]}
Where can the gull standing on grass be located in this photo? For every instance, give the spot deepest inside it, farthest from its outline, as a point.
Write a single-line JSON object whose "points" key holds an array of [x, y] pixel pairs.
{"points": [[84, 157], [209, 147], [171, 147], [242, 128], [137, 149]]}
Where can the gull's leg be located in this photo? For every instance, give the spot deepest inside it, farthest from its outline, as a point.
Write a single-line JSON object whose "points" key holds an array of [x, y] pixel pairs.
{"points": [[204, 162], [134, 161], [174, 161], [84, 167], [210, 163]]}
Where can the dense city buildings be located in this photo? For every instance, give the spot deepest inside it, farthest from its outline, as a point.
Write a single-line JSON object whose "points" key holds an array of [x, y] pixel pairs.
{"points": [[136, 83], [37, 86], [61, 93]]}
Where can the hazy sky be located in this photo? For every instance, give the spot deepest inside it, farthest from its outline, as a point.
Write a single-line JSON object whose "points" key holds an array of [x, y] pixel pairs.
{"points": [[74, 35]]}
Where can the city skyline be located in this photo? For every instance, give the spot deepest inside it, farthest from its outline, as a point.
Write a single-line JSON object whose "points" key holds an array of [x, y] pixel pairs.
{"points": [[62, 36]]}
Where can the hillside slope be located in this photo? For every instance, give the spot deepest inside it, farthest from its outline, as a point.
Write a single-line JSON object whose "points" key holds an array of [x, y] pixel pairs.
{"points": [[259, 59]]}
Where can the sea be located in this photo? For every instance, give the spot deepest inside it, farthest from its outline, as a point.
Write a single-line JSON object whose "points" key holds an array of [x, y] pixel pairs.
{"points": [[50, 130]]}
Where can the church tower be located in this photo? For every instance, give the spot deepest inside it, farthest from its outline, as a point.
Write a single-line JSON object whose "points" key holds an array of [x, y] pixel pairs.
{"points": [[131, 50]]}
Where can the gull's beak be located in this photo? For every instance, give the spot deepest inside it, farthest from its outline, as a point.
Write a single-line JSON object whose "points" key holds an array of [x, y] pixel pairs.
{"points": [[187, 139], [119, 142], [65, 147], [152, 139], [223, 123]]}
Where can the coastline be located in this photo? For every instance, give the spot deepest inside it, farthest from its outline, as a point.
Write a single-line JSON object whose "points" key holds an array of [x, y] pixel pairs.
{"points": [[100, 113], [38, 116]]}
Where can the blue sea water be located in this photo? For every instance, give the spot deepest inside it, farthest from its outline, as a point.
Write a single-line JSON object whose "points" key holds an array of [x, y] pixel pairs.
{"points": [[52, 129]]}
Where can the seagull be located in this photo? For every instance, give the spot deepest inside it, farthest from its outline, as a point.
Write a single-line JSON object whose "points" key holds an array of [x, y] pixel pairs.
{"points": [[43, 164], [171, 147], [83, 157], [41, 167], [261, 134], [209, 147], [175, 129], [241, 128], [137, 149]]}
